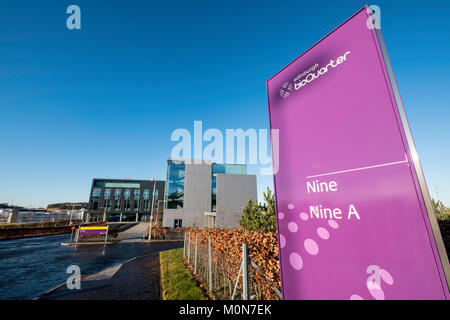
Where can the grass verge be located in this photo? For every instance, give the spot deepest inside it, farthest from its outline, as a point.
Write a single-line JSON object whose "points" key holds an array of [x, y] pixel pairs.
{"points": [[176, 281]]}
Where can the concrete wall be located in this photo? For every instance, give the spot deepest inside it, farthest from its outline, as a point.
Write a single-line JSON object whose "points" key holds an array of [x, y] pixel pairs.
{"points": [[233, 193], [197, 197], [170, 215]]}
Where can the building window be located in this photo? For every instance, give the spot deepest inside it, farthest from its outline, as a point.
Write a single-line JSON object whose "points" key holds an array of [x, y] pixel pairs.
{"points": [[117, 193], [116, 184], [127, 201], [96, 193], [108, 204], [154, 199], [229, 168], [94, 204], [107, 199], [116, 204], [137, 194], [95, 198], [175, 185], [136, 204], [146, 196], [177, 223], [213, 193]]}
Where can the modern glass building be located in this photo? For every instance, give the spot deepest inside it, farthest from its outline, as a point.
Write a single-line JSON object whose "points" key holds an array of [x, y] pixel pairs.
{"points": [[206, 194], [175, 185], [126, 200], [220, 168]]}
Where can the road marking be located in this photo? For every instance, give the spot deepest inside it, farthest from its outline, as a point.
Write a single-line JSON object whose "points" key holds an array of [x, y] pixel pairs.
{"points": [[104, 274], [358, 169]]}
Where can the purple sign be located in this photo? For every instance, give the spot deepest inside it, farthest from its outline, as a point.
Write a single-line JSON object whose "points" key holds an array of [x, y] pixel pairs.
{"points": [[93, 232], [354, 215]]}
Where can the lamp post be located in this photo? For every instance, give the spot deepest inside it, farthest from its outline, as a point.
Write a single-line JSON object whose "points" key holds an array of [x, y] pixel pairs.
{"points": [[71, 212], [151, 213]]}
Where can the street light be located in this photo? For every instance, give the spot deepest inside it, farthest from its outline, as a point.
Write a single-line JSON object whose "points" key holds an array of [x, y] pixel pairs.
{"points": [[151, 213], [71, 212]]}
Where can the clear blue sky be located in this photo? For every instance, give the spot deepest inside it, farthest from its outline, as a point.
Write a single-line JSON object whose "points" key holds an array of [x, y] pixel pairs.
{"points": [[102, 101]]}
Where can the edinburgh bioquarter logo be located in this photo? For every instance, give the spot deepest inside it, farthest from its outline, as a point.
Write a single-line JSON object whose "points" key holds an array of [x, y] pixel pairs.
{"points": [[286, 89], [310, 75]]}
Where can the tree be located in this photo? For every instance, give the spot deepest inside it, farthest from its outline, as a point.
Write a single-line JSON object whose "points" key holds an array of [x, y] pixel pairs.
{"points": [[440, 210], [260, 217]]}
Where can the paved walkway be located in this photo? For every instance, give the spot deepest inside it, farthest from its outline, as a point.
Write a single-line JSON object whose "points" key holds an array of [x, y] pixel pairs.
{"points": [[137, 231], [136, 279]]}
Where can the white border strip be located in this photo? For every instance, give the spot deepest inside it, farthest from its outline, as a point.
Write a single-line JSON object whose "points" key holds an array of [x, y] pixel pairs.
{"points": [[358, 169]]}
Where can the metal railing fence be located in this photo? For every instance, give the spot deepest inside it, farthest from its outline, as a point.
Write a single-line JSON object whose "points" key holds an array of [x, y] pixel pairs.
{"points": [[226, 277]]}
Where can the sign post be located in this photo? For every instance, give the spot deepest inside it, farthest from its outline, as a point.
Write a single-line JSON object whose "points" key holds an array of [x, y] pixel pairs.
{"points": [[354, 215], [106, 235], [93, 231]]}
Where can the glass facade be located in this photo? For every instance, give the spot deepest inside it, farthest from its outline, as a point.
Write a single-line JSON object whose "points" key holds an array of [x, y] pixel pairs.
{"points": [[175, 185]]}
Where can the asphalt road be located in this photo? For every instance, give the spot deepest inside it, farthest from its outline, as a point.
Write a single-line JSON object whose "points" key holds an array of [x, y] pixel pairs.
{"points": [[137, 279]]}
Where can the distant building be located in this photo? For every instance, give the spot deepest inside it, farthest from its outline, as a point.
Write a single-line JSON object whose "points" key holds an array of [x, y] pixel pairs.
{"points": [[206, 195], [33, 216], [67, 206], [125, 200], [8, 216]]}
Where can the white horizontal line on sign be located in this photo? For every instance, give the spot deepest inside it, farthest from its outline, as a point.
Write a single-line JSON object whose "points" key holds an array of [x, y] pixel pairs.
{"points": [[358, 169]]}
